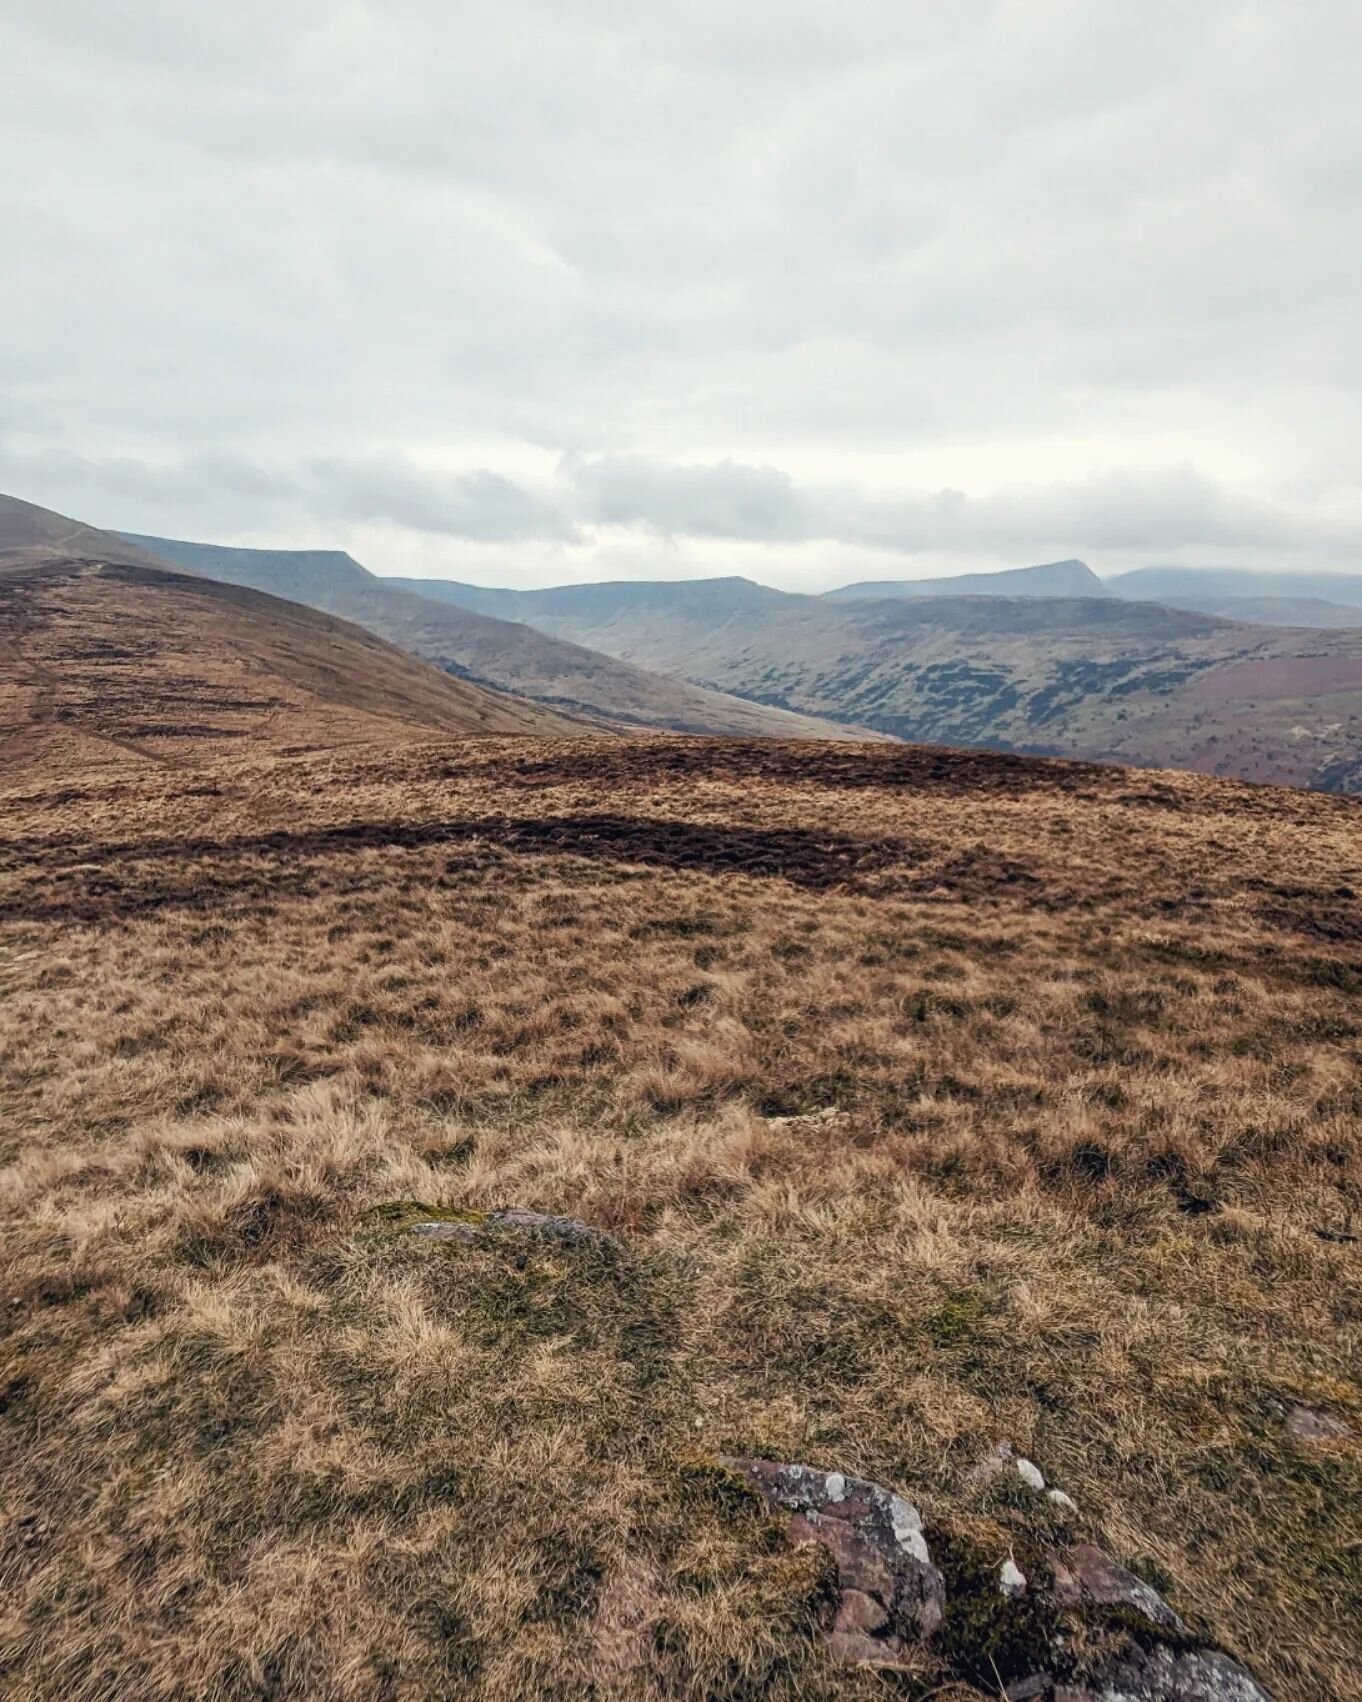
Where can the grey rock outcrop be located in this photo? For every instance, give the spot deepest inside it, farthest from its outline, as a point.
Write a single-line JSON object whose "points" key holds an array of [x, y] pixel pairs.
{"points": [[1008, 1606]]}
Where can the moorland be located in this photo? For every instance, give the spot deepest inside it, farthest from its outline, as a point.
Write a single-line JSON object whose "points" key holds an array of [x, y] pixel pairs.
{"points": [[929, 1098]]}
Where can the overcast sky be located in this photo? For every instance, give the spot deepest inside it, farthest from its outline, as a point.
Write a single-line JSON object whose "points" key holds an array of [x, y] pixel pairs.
{"points": [[809, 291]]}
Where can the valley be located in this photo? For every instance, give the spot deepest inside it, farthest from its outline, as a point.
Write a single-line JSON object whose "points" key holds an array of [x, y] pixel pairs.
{"points": [[1100, 678]]}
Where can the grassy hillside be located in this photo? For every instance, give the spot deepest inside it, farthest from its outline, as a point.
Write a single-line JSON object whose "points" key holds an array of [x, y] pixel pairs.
{"points": [[1108, 679], [115, 661], [930, 1099], [507, 654]]}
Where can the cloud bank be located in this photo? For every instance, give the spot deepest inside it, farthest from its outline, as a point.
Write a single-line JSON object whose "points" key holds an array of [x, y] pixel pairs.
{"points": [[551, 290]]}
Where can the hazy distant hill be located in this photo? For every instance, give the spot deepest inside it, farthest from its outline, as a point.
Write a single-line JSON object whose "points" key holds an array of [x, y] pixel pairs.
{"points": [[507, 654], [1050, 579], [1092, 676], [1274, 611], [1188, 584]]}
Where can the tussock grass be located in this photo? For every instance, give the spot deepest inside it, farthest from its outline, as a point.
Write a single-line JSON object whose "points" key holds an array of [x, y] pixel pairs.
{"points": [[900, 1161]]}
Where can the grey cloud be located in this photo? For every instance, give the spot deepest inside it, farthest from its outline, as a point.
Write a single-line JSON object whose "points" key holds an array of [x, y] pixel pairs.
{"points": [[481, 506], [724, 501], [1116, 515], [344, 243], [1166, 509]]}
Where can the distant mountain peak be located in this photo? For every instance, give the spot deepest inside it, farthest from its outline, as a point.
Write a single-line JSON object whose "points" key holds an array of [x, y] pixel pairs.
{"points": [[1070, 578]]}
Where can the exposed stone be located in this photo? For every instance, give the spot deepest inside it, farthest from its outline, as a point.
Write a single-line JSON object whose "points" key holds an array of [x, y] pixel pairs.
{"points": [[1304, 1424], [1084, 1574], [1054, 1621], [1030, 1475], [443, 1230], [474, 1226], [890, 1594], [828, 1114], [1060, 1499], [1036, 1688], [1162, 1674]]}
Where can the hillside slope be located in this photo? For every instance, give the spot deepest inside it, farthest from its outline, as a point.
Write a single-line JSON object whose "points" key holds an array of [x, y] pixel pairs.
{"points": [[1164, 584], [121, 660], [1314, 612], [30, 534], [1103, 678], [505, 653], [929, 1100]]}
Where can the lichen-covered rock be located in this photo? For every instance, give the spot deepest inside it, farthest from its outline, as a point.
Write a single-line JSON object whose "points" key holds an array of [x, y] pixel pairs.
{"points": [[1084, 1575], [1162, 1674], [475, 1226], [446, 1229], [890, 1596], [1001, 1603]]}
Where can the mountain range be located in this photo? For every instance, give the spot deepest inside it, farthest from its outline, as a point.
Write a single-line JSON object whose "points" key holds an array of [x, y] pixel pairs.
{"points": [[509, 654], [1101, 675], [107, 654], [1152, 668]]}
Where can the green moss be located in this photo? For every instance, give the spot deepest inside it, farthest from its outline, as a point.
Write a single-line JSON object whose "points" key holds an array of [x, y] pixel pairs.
{"points": [[959, 1316], [986, 1635]]}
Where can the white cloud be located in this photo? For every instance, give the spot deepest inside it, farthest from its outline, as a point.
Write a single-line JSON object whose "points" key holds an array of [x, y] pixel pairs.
{"points": [[335, 265]]}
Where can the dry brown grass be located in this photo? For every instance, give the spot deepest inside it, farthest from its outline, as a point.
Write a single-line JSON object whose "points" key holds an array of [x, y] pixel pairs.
{"points": [[1085, 1047]]}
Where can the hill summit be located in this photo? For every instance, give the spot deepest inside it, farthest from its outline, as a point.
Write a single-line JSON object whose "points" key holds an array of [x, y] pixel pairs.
{"points": [[1048, 579]]}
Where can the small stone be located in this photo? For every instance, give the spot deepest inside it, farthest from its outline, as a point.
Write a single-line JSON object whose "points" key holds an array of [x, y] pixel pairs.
{"points": [[1011, 1578], [1037, 1685], [1060, 1499], [1030, 1475], [997, 1460], [1304, 1424]]}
